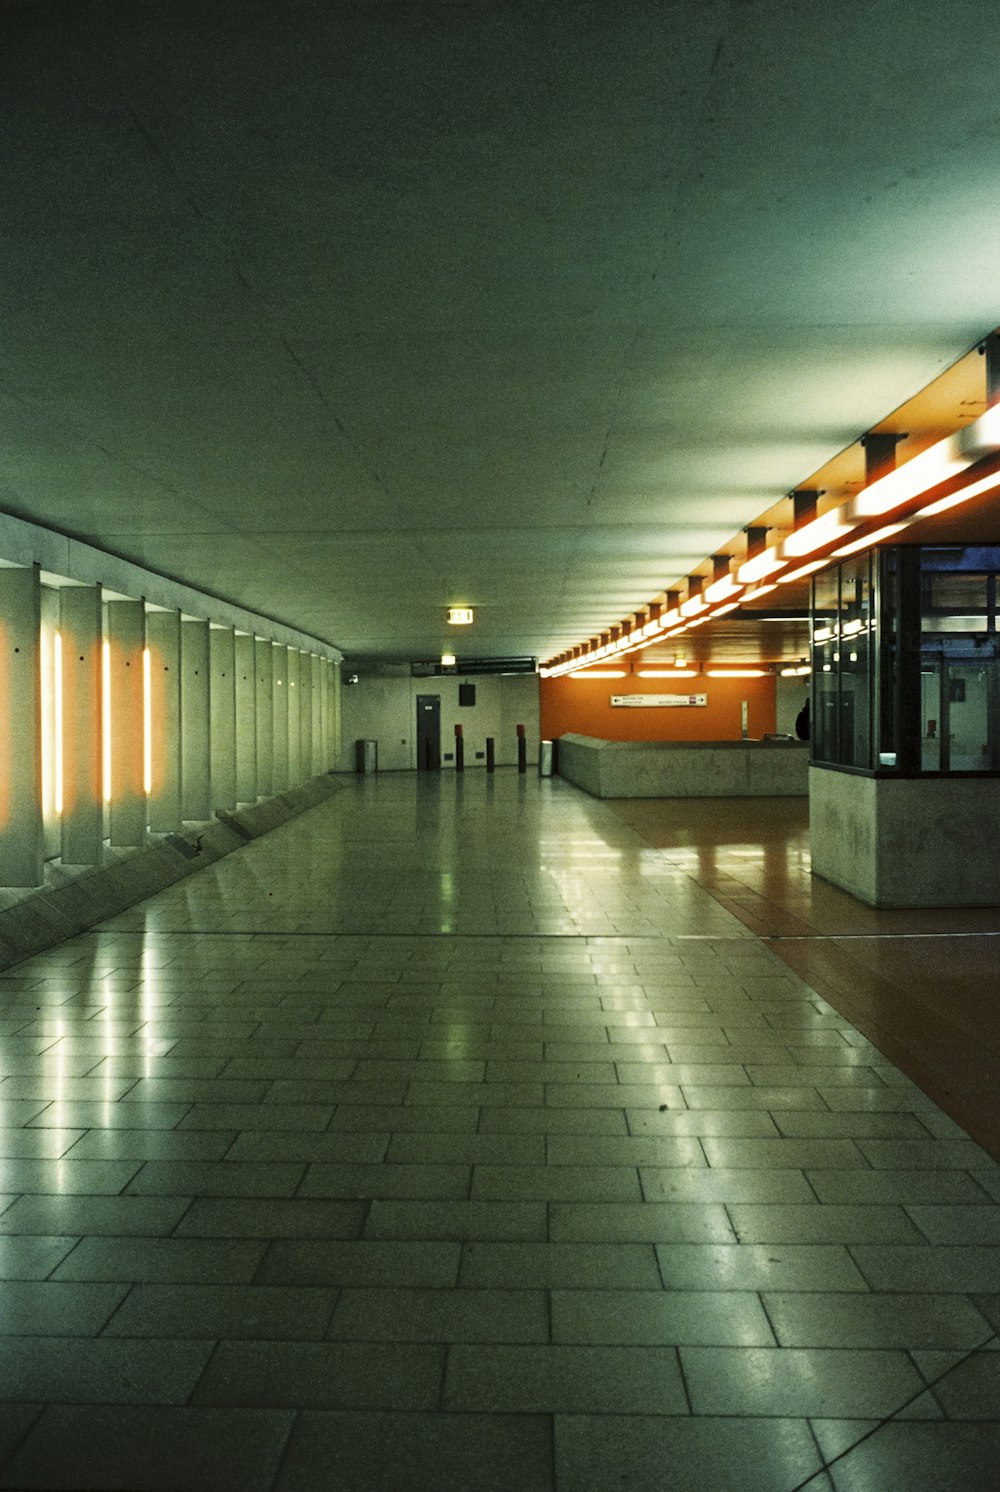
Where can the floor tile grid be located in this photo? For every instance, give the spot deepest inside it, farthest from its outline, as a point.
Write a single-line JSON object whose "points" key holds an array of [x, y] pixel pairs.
{"points": [[487, 1110]]}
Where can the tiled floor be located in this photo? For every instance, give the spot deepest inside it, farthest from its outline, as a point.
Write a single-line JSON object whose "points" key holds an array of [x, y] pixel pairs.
{"points": [[456, 1137]]}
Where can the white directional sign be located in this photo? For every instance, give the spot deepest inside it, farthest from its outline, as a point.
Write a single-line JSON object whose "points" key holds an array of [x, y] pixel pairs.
{"points": [[657, 701]]}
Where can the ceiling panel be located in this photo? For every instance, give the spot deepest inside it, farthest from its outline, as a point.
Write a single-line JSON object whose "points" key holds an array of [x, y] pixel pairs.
{"points": [[340, 310]]}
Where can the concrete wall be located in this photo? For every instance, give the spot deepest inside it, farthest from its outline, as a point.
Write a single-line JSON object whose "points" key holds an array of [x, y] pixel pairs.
{"points": [[666, 769], [914, 842], [382, 706]]}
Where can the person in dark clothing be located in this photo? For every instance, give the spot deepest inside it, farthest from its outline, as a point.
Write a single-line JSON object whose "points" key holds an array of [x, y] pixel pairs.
{"points": [[802, 723]]}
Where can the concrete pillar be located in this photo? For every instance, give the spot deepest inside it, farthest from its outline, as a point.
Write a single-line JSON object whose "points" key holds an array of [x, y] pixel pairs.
{"points": [[306, 715], [294, 720], [336, 741], [81, 638], [316, 697], [280, 739], [126, 636], [222, 669], [246, 719], [338, 713], [325, 675], [195, 721], [21, 833], [264, 663], [50, 726], [163, 644]]}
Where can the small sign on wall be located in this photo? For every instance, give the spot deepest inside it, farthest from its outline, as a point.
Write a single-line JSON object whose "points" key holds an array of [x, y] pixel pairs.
{"points": [[656, 701]]}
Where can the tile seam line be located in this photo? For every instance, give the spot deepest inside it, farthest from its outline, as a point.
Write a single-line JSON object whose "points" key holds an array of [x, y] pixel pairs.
{"points": [[927, 1388]]}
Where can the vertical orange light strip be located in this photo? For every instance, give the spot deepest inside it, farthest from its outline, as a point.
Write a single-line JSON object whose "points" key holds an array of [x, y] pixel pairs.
{"points": [[45, 689], [106, 716], [147, 724], [57, 710]]}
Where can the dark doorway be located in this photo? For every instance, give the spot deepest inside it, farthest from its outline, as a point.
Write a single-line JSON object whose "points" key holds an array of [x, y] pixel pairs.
{"points": [[428, 732]]}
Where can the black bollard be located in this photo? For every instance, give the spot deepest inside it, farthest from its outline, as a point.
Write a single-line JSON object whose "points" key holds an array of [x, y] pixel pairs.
{"points": [[459, 749], [491, 759], [522, 750]]}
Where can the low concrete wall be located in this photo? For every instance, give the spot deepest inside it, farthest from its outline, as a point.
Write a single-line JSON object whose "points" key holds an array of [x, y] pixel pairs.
{"points": [[70, 901], [684, 769], [909, 842]]}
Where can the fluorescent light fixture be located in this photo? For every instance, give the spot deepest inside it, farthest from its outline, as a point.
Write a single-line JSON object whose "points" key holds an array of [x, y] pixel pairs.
{"points": [[721, 589], [760, 566], [653, 628], [760, 590], [600, 673], [680, 661], [816, 534], [931, 467], [721, 610], [802, 570], [852, 628], [671, 618], [975, 489], [667, 673], [875, 537], [460, 616], [693, 605], [448, 660], [736, 673]]}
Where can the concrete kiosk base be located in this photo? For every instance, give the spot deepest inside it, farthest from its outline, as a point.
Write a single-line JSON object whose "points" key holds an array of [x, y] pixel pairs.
{"points": [[908, 842], [684, 769]]}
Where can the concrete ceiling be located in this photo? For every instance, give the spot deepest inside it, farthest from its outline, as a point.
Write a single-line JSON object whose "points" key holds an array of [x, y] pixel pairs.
{"points": [[351, 310]]}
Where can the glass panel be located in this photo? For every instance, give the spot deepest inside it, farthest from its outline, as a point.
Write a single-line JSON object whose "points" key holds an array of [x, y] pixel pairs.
{"points": [[855, 712], [930, 716], [968, 734], [825, 730], [957, 592]]}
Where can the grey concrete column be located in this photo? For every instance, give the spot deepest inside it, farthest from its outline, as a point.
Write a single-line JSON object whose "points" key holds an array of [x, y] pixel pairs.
{"points": [[163, 642], [196, 794], [306, 715], [246, 719], [316, 698], [280, 741], [336, 741], [81, 638], [325, 721], [126, 632], [222, 664], [51, 712], [294, 719], [264, 662], [21, 832]]}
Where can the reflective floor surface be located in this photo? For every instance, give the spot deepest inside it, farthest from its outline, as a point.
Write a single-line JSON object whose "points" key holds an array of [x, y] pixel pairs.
{"points": [[462, 1134]]}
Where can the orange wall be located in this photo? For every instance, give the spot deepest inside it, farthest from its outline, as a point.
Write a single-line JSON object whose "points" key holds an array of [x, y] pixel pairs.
{"points": [[585, 707]]}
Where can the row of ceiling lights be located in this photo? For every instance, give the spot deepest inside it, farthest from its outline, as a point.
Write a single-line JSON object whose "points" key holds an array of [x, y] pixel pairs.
{"points": [[954, 470]]}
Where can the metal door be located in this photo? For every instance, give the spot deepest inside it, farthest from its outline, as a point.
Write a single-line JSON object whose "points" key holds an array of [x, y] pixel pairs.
{"points": [[428, 732]]}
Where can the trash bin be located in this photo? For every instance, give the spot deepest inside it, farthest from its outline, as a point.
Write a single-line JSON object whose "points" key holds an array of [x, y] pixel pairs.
{"points": [[545, 758], [366, 756]]}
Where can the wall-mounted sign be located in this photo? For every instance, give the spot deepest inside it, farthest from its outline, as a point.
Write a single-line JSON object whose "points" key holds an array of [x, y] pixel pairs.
{"points": [[657, 701], [459, 616]]}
